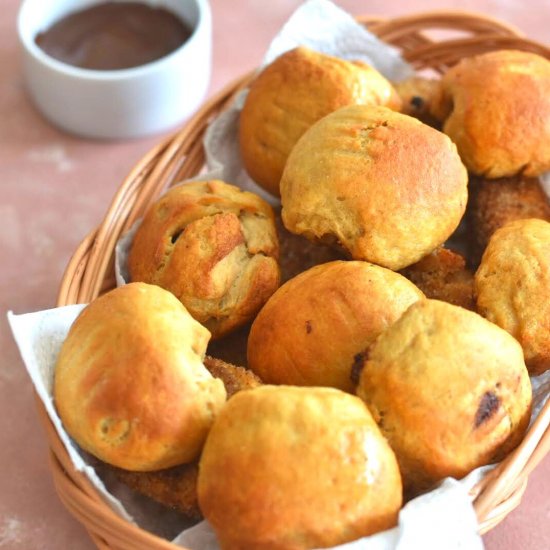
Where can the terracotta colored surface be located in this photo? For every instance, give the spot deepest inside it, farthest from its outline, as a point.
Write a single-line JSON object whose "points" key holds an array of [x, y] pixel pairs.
{"points": [[54, 188]]}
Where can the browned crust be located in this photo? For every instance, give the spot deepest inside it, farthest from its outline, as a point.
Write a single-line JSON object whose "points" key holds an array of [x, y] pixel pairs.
{"points": [[494, 203], [234, 378], [175, 488], [443, 275]]}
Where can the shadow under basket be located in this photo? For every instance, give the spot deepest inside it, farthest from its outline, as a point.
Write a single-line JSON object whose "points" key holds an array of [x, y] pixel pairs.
{"points": [[90, 271]]}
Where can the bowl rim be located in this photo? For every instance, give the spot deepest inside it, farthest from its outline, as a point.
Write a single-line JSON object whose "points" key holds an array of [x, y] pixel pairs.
{"points": [[29, 45]]}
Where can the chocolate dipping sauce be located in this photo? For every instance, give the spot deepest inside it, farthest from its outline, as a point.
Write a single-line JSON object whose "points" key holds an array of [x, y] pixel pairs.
{"points": [[114, 36]]}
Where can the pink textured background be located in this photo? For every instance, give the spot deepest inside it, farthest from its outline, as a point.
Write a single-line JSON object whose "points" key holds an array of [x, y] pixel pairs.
{"points": [[54, 188]]}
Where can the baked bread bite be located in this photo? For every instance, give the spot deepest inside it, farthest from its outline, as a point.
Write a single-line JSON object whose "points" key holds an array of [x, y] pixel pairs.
{"points": [[494, 203], [130, 386], [384, 186], [448, 389], [214, 247], [296, 468], [289, 95], [496, 108], [317, 326], [512, 287]]}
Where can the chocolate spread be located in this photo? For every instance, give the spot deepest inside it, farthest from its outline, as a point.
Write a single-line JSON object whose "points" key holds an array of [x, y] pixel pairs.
{"points": [[113, 36]]}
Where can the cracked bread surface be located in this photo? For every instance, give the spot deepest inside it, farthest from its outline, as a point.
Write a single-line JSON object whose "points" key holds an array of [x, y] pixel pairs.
{"points": [[214, 247]]}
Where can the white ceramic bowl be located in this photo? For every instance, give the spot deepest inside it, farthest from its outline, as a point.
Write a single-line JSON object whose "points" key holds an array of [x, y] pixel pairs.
{"points": [[122, 103]]}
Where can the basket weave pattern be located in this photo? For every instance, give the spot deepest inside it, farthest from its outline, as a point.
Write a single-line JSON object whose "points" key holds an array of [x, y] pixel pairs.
{"points": [[90, 271]]}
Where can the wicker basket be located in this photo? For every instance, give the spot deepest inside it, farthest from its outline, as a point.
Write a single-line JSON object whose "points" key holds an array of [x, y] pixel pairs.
{"points": [[90, 271]]}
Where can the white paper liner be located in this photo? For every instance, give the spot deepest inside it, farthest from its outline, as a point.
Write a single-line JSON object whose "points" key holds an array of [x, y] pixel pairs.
{"points": [[443, 518]]}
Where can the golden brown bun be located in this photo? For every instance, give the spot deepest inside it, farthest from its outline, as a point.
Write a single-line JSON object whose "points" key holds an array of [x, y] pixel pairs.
{"points": [[130, 386], [314, 329], [212, 245], [296, 468], [448, 389], [177, 487], [296, 90], [417, 94], [512, 286], [494, 203], [443, 275], [386, 187], [496, 108]]}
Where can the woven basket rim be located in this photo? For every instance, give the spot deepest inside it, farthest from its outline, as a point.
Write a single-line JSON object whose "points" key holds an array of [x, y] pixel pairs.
{"points": [[89, 271]]}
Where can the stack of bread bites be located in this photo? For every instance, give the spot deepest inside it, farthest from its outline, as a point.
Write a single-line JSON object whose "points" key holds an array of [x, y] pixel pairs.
{"points": [[383, 363]]}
